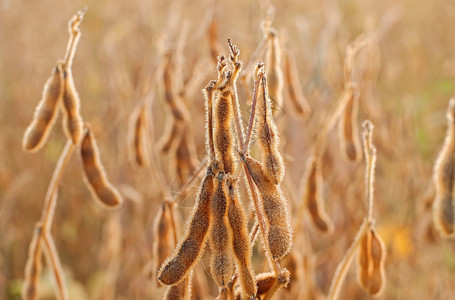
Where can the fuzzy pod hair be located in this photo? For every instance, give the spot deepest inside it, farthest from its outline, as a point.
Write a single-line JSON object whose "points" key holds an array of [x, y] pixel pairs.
{"points": [[274, 71], [72, 119], [95, 175], [348, 129], [279, 231], [181, 291], [312, 197], [191, 247], [223, 136], [444, 179], [268, 137], [221, 264], [209, 93], [241, 245], [46, 112]]}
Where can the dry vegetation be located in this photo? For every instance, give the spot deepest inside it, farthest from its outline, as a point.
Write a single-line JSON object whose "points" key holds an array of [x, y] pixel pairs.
{"points": [[302, 158]]}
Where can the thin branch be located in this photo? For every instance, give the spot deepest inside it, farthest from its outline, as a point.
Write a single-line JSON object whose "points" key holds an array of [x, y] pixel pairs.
{"points": [[54, 261], [50, 198], [75, 34], [370, 157], [345, 263]]}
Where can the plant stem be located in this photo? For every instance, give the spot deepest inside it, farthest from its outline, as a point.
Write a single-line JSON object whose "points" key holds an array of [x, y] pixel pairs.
{"points": [[345, 263], [54, 261], [51, 198]]}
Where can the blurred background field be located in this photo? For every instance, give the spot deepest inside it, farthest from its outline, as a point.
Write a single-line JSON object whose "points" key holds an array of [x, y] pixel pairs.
{"points": [[407, 75]]}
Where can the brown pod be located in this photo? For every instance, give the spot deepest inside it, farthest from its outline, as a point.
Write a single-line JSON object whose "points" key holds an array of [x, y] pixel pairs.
{"points": [[298, 100], [94, 174], [364, 261], [351, 148], [37, 132], [72, 120], [33, 266], [377, 278], [224, 139], [444, 179], [190, 249], [137, 135], [265, 282], [181, 291], [312, 197], [240, 241], [221, 265], [274, 71], [279, 231], [175, 103], [172, 135], [209, 94], [268, 137], [163, 243], [185, 156]]}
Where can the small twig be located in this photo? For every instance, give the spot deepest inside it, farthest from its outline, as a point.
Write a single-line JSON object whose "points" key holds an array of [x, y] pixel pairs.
{"points": [[237, 65], [75, 34], [54, 261], [370, 157], [344, 265], [253, 109], [342, 102], [190, 180], [50, 198]]}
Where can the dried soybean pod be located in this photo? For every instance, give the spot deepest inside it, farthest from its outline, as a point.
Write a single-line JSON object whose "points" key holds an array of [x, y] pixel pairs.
{"points": [[223, 118], [444, 179], [312, 196], [351, 148], [268, 137], [298, 100], [377, 278], [241, 245], [190, 249], [137, 134], [364, 265], [209, 95], [163, 243], [72, 120], [185, 156], [274, 72], [265, 282], [33, 266], [175, 103], [46, 112], [181, 291], [172, 135], [221, 265], [94, 174], [279, 232]]}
